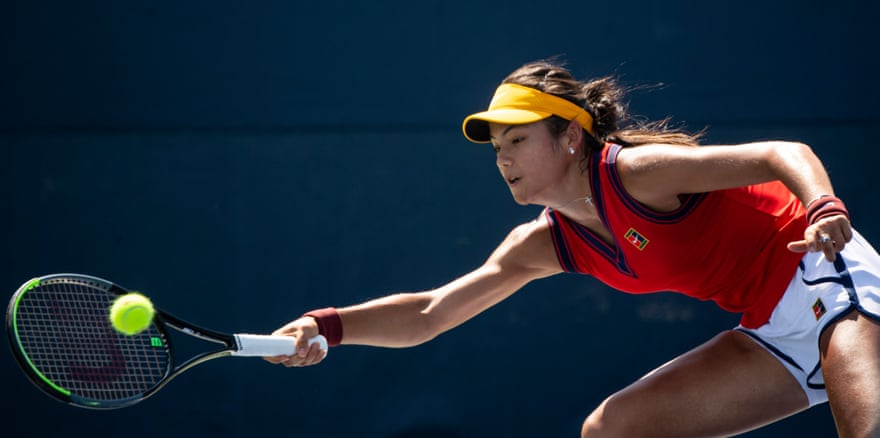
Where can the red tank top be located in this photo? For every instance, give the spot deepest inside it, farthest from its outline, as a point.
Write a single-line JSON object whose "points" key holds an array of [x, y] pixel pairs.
{"points": [[728, 246]]}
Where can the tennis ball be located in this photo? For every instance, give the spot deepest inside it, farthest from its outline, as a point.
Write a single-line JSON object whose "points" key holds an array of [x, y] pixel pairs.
{"points": [[131, 313]]}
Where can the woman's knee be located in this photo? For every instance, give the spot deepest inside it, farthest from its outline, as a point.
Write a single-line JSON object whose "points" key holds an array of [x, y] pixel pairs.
{"points": [[593, 425], [610, 419]]}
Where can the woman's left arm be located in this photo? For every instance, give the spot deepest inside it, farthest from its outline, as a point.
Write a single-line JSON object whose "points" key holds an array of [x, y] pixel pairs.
{"points": [[657, 174]]}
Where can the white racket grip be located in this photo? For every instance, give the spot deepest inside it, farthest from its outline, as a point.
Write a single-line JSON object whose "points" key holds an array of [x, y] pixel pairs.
{"points": [[271, 345]]}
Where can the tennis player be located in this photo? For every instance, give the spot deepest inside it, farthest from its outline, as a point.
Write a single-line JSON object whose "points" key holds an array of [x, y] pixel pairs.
{"points": [[754, 227]]}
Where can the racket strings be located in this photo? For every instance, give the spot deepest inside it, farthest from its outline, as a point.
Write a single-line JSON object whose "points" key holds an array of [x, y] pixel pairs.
{"points": [[63, 328]]}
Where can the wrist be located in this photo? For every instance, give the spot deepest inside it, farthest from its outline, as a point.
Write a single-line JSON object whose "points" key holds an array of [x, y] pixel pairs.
{"points": [[329, 324], [825, 206]]}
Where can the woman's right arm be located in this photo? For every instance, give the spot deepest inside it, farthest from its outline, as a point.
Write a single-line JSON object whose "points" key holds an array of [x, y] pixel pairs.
{"points": [[409, 319]]}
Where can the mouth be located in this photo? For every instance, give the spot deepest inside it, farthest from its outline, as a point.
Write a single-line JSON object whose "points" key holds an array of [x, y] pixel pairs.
{"points": [[512, 181]]}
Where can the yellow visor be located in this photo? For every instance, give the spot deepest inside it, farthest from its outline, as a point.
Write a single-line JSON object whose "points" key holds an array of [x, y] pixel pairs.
{"points": [[518, 105]]}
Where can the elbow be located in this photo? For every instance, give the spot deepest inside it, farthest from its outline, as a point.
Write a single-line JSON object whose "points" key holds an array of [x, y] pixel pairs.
{"points": [[421, 326], [426, 328], [801, 148], [420, 332], [782, 155], [792, 149], [432, 321]]}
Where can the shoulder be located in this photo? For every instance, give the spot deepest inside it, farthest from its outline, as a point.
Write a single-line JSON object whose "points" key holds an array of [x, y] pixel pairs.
{"points": [[655, 175], [528, 247], [634, 160]]}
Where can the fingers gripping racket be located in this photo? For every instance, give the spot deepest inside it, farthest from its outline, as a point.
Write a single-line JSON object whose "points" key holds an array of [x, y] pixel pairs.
{"points": [[62, 338]]}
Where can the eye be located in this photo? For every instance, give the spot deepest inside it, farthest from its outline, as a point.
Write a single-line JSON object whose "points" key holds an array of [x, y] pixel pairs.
{"points": [[517, 140], [496, 148]]}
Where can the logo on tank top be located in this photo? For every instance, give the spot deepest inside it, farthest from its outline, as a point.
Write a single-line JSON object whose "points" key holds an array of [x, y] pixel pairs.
{"points": [[818, 308], [634, 237]]}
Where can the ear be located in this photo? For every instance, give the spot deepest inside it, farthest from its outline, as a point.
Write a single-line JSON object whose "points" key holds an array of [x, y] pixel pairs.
{"points": [[574, 135]]}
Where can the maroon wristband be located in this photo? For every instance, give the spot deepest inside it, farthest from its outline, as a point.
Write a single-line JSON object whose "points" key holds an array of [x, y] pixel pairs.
{"points": [[825, 206], [329, 324]]}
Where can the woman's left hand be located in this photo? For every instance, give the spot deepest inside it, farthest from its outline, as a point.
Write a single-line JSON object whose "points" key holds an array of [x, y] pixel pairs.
{"points": [[828, 235]]}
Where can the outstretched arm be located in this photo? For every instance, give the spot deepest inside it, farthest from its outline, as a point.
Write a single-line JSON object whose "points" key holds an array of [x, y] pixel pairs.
{"points": [[407, 319]]}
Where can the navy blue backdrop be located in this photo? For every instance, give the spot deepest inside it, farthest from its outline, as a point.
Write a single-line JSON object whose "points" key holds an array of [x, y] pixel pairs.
{"points": [[272, 157]]}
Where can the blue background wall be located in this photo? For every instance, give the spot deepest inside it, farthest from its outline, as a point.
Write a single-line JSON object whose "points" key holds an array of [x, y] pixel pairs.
{"points": [[274, 157]]}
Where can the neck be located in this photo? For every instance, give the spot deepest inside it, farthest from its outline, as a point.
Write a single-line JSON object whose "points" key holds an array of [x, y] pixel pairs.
{"points": [[584, 199]]}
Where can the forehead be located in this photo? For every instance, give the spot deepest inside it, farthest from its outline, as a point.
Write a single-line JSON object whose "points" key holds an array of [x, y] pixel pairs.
{"points": [[499, 130]]}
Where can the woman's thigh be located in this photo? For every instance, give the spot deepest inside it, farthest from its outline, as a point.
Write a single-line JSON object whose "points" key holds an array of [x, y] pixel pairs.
{"points": [[850, 351], [728, 385]]}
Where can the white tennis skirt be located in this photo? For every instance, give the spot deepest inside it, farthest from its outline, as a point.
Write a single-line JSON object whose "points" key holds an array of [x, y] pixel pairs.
{"points": [[820, 293]]}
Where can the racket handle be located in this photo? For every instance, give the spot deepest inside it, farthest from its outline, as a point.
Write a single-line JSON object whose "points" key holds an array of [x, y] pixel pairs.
{"points": [[271, 345]]}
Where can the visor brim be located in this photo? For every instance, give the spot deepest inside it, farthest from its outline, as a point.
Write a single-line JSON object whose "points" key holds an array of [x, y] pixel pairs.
{"points": [[476, 126]]}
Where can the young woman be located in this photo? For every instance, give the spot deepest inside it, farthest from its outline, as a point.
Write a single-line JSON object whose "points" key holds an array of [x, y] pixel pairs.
{"points": [[754, 227]]}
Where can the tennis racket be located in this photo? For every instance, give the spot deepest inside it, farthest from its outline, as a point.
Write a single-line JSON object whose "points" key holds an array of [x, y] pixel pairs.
{"points": [[61, 336]]}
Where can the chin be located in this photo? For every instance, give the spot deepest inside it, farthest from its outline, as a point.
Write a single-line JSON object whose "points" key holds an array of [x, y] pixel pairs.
{"points": [[520, 201]]}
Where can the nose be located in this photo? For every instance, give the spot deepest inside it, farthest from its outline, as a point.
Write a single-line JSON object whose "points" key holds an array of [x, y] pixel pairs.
{"points": [[502, 159]]}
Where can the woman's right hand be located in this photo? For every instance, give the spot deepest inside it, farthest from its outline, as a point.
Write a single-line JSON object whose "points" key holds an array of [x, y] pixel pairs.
{"points": [[302, 329]]}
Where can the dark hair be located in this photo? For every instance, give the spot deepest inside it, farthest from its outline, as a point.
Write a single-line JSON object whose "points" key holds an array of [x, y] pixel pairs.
{"points": [[603, 99]]}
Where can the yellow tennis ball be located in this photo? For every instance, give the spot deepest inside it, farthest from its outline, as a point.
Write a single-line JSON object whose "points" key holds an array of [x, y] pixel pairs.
{"points": [[131, 313]]}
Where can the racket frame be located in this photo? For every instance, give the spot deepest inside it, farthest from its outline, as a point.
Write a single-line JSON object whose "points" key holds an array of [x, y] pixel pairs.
{"points": [[161, 321]]}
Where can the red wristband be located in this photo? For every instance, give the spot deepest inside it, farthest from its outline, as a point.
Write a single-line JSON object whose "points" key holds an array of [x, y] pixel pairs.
{"points": [[825, 206], [329, 324]]}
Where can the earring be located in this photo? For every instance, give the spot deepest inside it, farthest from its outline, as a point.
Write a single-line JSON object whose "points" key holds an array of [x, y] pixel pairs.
{"points": [[571, 151]]}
